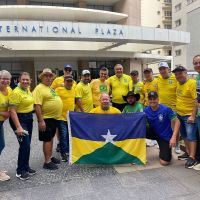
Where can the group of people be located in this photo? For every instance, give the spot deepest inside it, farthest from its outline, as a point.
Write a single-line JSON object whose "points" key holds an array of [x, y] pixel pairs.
{"points": [[170, 102]]}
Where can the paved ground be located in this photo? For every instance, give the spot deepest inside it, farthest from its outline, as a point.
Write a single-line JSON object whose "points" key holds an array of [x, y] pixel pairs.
{"points": [[96, 182]]}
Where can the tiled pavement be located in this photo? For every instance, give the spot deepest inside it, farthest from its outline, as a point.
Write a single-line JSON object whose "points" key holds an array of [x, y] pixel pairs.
{"points": [[96, 182]]}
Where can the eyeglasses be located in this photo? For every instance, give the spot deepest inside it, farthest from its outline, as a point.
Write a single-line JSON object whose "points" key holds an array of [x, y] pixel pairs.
{"points": [[69, 70], [196, 63]]}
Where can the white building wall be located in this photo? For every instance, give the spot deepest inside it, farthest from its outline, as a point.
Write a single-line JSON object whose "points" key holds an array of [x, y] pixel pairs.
{"points": [[190, 21]]}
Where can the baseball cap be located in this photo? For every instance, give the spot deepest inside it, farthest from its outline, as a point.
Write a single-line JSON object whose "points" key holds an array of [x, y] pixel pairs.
{"points": [[84, 72], [152, 95], [179, 69], [134, 73], [147, 70], [67, 66], [68, 78], [163, 64]]}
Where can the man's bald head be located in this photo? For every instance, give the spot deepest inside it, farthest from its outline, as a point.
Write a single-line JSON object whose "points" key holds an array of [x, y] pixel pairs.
{"points": [[105, 101]]}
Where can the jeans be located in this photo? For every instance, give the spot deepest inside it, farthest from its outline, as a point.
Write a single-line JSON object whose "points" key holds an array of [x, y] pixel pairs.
{"points": [[2, 140], [26, 121], [188, 131], [64, 136]]}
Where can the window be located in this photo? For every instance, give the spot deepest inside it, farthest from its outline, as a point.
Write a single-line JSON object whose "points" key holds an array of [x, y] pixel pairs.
{"points": [[99, 7], [178, 52], [167, 1], [8, 2], [178, 22], [158, 12], [178, 7], [190, 1], [158, 26], [168, 13], [167, 26]]}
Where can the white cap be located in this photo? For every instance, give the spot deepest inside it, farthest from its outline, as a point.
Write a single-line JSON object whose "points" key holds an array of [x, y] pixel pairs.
{"points": [[84, 72], [163, 64]]}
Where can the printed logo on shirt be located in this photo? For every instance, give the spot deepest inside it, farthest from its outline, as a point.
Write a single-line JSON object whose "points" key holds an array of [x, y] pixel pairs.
{"points": [[103, 88], [170, 82], [160, 117]]}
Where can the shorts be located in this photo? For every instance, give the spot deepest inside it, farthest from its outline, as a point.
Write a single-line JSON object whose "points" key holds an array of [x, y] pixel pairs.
{"points": [[49, 133], [165, 150], [187, 131], [2, 140]]}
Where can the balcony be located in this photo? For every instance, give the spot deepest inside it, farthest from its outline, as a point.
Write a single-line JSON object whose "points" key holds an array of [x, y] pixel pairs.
{"points": [[167, 19]]}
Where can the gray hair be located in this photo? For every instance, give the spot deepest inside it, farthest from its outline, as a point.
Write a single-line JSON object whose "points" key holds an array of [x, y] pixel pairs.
{"points": [[5, 73]]}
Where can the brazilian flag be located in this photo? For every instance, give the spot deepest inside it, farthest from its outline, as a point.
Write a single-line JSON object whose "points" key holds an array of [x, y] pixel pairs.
{"points": [[107, 138]]}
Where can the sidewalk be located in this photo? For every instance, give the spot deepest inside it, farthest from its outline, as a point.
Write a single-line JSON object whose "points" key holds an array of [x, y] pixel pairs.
{"points": [[96, 182]]}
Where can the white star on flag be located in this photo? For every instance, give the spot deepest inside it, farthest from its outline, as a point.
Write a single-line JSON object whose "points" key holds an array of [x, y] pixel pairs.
{"points": [[109, 137]]}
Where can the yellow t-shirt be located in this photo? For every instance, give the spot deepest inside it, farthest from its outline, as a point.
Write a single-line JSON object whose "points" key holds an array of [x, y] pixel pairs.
{"points": [[4, 102], [119, 87], [22, 100], [68, 99], [51, 103], [186, 96], [111, 110], [84, 92], [138, 89], [167, 91], [149, 87], [98, 87], [59, 82]]}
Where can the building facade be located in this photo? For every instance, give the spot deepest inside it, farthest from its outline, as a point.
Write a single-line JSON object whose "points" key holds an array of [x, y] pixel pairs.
{"points": [[87, 34], [157, 14], [186, 17]]}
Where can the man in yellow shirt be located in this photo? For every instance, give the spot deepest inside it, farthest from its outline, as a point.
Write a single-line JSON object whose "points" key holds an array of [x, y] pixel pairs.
{"points": [[150, 84], [83, 90], [105, 107], [167, 84], [137, 85], [120, 85], [59, 81], [67, 95], [99, 86], [48, 107], [186, 107]]}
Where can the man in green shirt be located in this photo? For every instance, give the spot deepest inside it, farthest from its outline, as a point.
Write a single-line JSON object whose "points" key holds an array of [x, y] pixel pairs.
{"points": [[196, 63], [132, 104]]}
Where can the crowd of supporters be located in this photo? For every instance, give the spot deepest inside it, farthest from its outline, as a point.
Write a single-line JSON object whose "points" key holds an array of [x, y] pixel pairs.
{"points": [[170, 101]]}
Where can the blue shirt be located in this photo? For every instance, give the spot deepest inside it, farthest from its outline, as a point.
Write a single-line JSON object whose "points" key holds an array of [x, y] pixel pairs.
{"points": [[160, 121]]}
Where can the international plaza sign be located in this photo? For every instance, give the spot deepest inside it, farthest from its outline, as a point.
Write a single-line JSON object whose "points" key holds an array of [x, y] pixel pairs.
{"points": [[58, 29], [80, 31]]}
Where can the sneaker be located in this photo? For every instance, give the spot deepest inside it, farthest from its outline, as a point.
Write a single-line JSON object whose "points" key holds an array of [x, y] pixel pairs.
{"points": [[23, 176], [177, 149], [4, 176], [197, 167], [50, 166], [183, 156], [55, 160], [190, 163], [64, 157], [58, 147], [151, 143], [31, 172]]}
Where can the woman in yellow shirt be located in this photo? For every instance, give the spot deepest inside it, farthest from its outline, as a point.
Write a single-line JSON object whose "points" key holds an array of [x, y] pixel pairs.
{"points": [[21, 110], [5, 91]]}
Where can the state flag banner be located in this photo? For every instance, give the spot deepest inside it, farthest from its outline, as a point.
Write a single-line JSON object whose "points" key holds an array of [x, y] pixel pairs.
{"points": [[107, 138]]}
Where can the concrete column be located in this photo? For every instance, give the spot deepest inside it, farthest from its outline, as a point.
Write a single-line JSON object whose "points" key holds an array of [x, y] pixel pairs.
{"points": [[82, 64], [22, 2], [132, 8], [82, 4], [136, 64]]}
